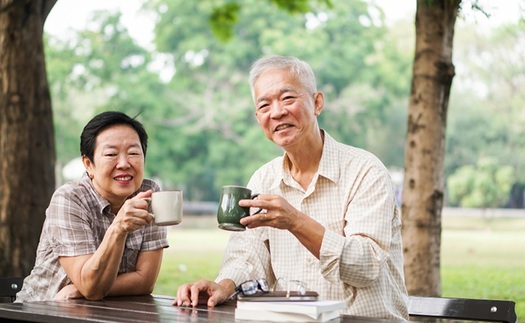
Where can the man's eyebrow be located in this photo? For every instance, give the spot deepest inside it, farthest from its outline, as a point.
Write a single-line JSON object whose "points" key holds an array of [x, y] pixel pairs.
{"points": [[262, 98], [287, 89]]}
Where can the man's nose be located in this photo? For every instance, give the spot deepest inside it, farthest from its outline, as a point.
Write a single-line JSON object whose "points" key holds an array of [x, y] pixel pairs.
{"points": [[278, 110]]}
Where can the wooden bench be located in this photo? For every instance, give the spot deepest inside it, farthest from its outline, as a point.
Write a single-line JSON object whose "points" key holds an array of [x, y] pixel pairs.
{"points": [[9, 286], [484, 310]]}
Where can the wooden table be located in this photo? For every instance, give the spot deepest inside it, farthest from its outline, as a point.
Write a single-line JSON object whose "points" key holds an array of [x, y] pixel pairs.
{"points": [[146, 308]]}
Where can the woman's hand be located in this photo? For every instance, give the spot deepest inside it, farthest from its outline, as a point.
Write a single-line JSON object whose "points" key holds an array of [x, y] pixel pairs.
{"points": [[68, 292], [134, 213]]}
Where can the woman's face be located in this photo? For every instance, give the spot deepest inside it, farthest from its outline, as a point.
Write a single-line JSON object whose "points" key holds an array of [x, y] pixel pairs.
{"points": [[117, 169]]}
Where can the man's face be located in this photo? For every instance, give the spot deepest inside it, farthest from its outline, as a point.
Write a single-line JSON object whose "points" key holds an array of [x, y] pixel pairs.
{"points": [[117, 169], [284, 108]]}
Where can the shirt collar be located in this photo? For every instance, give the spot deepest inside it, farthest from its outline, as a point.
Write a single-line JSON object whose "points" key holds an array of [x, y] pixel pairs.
{"points": [[103, 205], [327, 167]]}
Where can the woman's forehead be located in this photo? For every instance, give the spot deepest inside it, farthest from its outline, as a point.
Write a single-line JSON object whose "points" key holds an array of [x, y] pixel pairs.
{"points": [[117, 135]]}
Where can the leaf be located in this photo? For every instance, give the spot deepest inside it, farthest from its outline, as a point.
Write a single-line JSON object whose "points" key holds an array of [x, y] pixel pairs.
{"points": [[223, 19]]}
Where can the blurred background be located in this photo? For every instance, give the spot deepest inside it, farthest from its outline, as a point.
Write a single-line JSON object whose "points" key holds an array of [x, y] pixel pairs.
{"points": [[159, 59]]}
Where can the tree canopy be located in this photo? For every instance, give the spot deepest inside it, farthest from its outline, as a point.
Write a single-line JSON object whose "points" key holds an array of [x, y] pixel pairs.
{"points": [[201, 121], [199, 114]]}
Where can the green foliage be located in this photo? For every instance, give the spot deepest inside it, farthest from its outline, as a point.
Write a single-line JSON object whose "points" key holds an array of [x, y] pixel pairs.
{"points": [[294, 6], [486, 107], [200, 118], [486, 184], [201, 124], [225, 16], [223, 19]]}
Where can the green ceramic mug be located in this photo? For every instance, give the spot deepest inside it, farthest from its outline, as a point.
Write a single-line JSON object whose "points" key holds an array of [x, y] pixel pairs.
{"points": [[230, 213]]}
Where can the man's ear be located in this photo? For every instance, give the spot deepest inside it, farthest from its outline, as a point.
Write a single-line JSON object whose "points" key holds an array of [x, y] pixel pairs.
{"points": [[318, 103]]}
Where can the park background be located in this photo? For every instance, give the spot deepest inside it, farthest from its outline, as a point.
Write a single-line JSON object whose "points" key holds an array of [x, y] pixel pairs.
{"points": [[196, 107]]}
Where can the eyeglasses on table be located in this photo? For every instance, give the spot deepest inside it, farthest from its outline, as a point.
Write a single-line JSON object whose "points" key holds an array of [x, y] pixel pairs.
{"points": [[251, 287]]}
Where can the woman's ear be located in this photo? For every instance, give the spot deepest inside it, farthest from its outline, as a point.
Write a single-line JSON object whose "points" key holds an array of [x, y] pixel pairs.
{"points": [[88, 164]]}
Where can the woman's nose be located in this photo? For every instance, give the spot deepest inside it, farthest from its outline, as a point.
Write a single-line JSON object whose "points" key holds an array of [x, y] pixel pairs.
{"points": [[123, 161]]}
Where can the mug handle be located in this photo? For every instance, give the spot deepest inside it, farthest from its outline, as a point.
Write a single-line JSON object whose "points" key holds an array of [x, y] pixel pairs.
{"points": [[259, 210], [149, 202]]}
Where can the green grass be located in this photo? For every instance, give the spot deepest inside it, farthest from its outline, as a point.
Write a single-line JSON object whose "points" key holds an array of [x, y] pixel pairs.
{"points": [[480, 257], [484, 258], [195, 252]]}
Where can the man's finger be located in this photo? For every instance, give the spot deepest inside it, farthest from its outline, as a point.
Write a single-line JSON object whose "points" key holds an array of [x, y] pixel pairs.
{"points": [[212, 302], [194, 295], [182, 296]]}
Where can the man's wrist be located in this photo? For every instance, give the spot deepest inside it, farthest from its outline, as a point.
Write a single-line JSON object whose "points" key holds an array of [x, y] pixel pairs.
{"points": [[228, 285]]}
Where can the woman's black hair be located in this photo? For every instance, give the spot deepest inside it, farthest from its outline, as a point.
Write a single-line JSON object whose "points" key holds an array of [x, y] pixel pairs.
{"points": [[103, 121]]}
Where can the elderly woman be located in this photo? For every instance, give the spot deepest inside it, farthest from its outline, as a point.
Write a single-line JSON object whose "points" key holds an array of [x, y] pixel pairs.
{"points": [[98, 238]]}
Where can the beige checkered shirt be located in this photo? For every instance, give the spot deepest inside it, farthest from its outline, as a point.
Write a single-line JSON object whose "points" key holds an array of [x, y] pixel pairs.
{"points": [[361, 259], [76, 220]]}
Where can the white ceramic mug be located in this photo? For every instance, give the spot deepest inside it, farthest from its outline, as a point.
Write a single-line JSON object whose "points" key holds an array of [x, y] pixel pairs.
{"points": [[166, 207]]}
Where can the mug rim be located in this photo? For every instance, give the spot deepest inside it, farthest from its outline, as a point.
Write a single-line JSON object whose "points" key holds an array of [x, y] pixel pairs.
{"points": [[167, 191], [235, 186]]}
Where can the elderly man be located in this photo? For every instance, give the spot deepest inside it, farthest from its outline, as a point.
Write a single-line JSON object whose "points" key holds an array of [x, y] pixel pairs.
{"points": [[330, 219]]}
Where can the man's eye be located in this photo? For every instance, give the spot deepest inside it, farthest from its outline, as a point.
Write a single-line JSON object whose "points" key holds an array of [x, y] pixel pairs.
{"points": [[262, 107], [289, 99], [110, 154]]}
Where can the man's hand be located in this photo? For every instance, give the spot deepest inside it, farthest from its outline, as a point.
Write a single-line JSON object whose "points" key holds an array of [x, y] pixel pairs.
{"points": [[191, 294], [282, 215], [277, 213]]}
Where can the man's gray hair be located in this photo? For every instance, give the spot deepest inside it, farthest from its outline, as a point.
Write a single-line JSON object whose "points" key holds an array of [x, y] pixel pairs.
{"points": [[295, 66]]}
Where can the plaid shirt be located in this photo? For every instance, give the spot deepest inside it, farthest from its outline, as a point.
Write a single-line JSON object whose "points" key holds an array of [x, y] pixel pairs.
{"points": [[76, 220], [361, 257]]}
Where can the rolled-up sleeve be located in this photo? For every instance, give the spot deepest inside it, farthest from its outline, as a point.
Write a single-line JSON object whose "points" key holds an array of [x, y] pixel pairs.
{"points": [[357, 257]]}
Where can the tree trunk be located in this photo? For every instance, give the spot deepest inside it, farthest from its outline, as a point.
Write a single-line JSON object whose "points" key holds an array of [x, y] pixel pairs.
{"points": [[27, 146], [423, 185]]}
